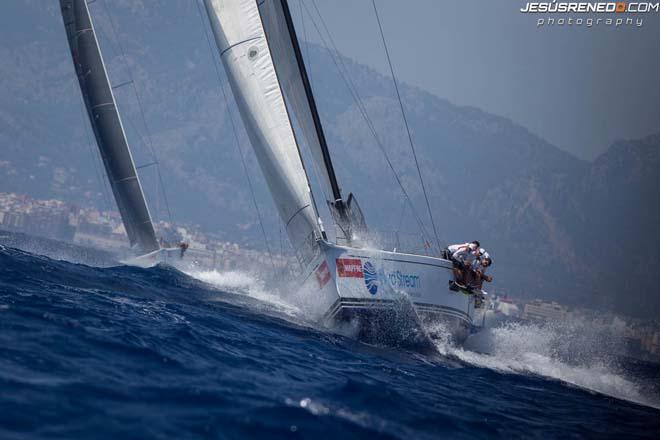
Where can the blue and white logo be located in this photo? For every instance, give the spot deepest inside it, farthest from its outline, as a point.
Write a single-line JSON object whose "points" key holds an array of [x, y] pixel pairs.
{"points": [[370, 277]]}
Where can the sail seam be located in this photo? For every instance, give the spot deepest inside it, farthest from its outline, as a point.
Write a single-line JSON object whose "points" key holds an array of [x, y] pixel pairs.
{"points": [[82, 31], [238, 44], [126, 179], [105, 104], [295, 214]]}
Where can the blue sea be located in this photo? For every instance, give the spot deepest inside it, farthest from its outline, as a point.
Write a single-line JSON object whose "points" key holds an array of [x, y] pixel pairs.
{"points": [[122, 352]]}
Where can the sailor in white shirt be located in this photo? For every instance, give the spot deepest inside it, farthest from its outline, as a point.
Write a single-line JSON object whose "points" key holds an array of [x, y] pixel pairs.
{"points": [[461, 252], [479, 266], [462, 256]]}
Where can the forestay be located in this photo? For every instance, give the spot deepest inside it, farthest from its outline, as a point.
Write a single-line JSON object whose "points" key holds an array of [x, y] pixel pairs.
{"points": [[107, 126], [246, 56]]}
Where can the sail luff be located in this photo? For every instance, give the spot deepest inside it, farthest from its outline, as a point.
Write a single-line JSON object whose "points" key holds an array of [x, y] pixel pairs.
{"points": [[107, 126]]}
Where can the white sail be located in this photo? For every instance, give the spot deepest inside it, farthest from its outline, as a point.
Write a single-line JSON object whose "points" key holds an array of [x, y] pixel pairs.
{"points": [[289, 71], [292, 73], [107, 125], [240, 37]]}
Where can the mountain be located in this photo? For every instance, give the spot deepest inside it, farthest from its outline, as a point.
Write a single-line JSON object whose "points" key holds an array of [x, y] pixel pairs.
{"points": [[558, 227]]}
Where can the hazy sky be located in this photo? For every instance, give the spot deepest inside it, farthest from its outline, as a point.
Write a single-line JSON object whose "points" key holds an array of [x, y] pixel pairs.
{"points": [[579, 88]]}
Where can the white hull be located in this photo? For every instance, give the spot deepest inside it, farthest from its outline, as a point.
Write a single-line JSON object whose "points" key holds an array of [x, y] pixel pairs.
{"points": [[376, 289], [162, 255]]}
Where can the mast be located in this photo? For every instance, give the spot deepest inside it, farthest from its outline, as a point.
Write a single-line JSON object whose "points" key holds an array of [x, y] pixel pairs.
{"points": [[327, 160], [290, 66], [107, 126]]}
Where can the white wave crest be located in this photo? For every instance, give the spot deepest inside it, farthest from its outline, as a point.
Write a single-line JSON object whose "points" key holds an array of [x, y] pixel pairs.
{"points": [[245, 283], [571, 354]]}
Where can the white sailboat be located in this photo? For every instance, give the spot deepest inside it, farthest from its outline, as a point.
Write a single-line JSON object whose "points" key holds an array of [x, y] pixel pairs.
{"points": [[110, 136], [347, 282]]}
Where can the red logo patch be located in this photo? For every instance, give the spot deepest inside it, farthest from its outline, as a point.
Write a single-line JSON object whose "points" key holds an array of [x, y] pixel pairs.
{"points": [[349, 267], [322, 274]]}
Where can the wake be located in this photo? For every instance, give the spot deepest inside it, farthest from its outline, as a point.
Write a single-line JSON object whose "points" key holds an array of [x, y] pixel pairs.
{"points": [[577, 355], [246, 283]]}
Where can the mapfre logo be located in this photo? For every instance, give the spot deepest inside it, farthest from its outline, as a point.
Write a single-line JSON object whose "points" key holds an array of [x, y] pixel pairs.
{"points": [[349, 268]]}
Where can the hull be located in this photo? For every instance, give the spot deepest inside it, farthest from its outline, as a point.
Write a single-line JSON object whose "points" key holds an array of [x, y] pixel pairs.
{"points": [[377, 292], [162, 255]]}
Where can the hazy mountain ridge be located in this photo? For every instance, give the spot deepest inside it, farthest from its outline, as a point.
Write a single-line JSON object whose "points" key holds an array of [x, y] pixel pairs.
{"points": [[558, 227]]}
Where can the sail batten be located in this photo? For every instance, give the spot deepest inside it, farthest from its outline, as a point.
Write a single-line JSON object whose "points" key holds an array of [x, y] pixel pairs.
{"points": [[107, 126]]}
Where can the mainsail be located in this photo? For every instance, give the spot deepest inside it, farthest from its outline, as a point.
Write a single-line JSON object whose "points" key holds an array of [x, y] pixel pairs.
{"points": [[107, 126], [247, 58]]}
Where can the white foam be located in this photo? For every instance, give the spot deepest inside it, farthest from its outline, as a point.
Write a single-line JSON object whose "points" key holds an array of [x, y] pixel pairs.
{"points": [[556, 352], [245, 283]]}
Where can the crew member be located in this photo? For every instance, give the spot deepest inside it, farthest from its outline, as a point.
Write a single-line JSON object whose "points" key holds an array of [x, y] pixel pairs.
{"points": [[458, 251], [479, 269], [184, 247], [462, 256]]}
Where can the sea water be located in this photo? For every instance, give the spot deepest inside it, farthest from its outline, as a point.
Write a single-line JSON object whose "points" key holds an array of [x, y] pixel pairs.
{"points": [[124, 352]]}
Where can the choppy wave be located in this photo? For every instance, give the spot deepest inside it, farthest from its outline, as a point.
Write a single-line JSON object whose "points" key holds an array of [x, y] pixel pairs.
{"points": [[576, 354], [131, 352], [573, 354], [246, 283]]}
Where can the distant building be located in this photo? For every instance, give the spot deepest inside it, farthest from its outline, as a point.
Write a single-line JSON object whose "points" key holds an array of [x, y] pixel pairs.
{"points": [[45, 218], [90, 227], [545, 311], [13, 220]]}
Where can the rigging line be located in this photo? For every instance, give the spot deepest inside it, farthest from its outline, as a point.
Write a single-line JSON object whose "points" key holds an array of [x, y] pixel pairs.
{"points": [[405, 121], [95, 162], [343, 73], [315, 173], [149, 142], [281, 240], [158, 184], [403, 212], [96, 158], [362, 108], [315, 166], [235, 132], [304, 29], [155, 157], [338, 230]]}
